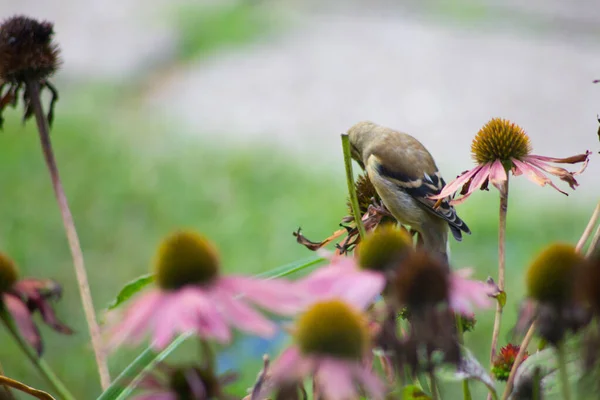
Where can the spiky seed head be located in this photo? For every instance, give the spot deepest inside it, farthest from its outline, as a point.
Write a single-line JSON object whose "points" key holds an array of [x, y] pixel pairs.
{"points": [[185, 258], [333, 328], [500, 139], [384, 248], [8, 273], [550, 277], [421, 281], [27, 50], [365, 191], [504, 361], [183, 380]]}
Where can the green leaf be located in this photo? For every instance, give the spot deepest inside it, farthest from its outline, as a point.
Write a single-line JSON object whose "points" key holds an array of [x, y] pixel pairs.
{"points": [[501, 298], [413, 392], [125, 383], [130, 289], [469, 368]]}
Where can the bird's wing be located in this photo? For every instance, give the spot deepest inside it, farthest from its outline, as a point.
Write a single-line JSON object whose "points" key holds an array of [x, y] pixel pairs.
{"points": [[420, 188]]}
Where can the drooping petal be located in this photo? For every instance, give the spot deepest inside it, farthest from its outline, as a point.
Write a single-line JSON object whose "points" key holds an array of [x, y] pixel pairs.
{"points": [[241, 315], [372, 385], [465, 293], [23, 320], [204, 317], [335, 379], [535, 175], [478, 180], [498, 176], [37, 302], [276, 295], [567, 176], [456, 184], [584, 158], [291, 366]]}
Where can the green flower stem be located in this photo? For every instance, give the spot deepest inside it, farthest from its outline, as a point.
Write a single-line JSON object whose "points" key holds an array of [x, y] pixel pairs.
{"points": [[501, 267], [518, 360], [43, 368], [434, 387], [461, 340], [562, 368], [588, 229], [351, 187], [33, 91]]}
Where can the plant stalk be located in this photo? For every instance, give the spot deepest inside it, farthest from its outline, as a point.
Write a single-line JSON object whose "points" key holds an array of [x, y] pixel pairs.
{"points": [[351, 188], [562, 367], [33, 89], [518, 360], [501, 267], [461, 340], [37, 362], [588, 229]]}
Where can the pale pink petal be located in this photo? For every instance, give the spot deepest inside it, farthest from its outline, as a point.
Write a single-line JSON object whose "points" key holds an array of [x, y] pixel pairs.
{"points": [[241, 315], [22, 317], [136, 320], [465, 293], [373, 386], [535, 175], [166, 321], [276, 295], [291, 366], [156, 396], [562, 173], [456, 184], [584, 158], [335, 379], [498, 176]]}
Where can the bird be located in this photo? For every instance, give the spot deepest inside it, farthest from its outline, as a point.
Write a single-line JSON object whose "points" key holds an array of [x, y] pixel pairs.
{"points": [[405, 175]]}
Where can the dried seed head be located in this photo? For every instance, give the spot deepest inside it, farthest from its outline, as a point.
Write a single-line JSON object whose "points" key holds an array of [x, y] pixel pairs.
{"points": [[185, 380], [384, 248], [589, 283], [550, 277], [333, 328], [8, 273], [185, 258], [421, 281], [365, 191], [500, 139], [26, 50]]}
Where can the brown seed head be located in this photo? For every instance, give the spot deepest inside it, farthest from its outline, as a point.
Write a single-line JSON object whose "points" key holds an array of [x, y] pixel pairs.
{"points": [[8, 273], [500, 139], [26, 50], [384, 248], [422, 281], [365, 191]]}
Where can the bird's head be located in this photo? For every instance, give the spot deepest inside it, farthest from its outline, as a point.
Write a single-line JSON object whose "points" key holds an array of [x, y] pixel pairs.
{"points": [[360, 135]]}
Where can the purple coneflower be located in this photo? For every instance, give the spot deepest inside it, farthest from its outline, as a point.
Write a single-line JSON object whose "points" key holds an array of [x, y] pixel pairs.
{"points": [[193, 296]]}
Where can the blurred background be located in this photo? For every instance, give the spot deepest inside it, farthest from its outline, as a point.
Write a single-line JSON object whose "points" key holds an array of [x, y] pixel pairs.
{"points": [[225, 116]]}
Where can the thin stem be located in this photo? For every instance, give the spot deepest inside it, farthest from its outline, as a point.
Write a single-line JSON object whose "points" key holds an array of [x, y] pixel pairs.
{"points": [[518, 360], [594, 243], [434, 388], [461, 340], [588, 228], [39, 394], [562, 368], [8, 393], [501, 267], [351, 187], [37, 362], [33, 89]]}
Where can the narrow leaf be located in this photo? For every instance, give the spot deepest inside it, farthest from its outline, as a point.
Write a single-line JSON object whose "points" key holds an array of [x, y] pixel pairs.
{"points": [[131, 289], [469, 368]]}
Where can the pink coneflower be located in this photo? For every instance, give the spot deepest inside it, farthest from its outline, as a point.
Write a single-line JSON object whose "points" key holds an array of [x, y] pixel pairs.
{"points": [[502, 146], [22, 298], [466, 294], [331, 344], [193, 296]]}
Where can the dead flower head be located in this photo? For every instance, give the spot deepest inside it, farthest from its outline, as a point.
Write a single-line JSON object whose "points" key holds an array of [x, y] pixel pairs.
{"points": [[27, 55]]}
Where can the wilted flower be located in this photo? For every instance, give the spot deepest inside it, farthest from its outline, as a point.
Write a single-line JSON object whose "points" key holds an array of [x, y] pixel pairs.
{"points": [[502, 146], [504, 361], [332, 343], [27, 54], [21, 298], [373, 213], [550, 281], [193, 296], [343, 279], [189, 382]]}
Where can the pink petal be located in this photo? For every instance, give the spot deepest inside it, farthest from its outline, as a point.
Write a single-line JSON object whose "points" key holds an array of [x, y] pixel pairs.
{"points": [[241, 315], [562, 173], [290, 366], [498, 176], [584, 158], [456, 184], [335, 379], [372, 385], [276, 295], [535, 175], [23, 320], [465, 292]]}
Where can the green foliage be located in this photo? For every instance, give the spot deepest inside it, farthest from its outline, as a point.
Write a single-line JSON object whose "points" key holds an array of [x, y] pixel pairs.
{"points": [[130, 289]]}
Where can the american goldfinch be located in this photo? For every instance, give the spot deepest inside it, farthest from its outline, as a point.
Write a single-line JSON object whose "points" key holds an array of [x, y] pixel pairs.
{"points": [[404, 175]]}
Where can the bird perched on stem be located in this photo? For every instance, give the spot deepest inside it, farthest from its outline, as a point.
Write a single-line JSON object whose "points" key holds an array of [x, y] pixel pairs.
{"points": [[405, 175]]}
